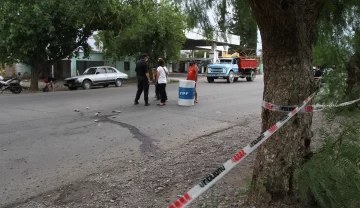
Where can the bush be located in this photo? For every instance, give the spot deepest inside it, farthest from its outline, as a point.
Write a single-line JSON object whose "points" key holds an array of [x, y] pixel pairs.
{"points": [[331, 178]]}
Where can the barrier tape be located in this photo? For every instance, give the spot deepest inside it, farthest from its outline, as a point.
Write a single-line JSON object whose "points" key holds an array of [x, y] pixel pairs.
{"points": [[306, 109], [211, 179]]}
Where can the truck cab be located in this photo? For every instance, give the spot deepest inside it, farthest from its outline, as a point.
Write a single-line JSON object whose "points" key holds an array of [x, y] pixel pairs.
{"points": [[232, 69]]}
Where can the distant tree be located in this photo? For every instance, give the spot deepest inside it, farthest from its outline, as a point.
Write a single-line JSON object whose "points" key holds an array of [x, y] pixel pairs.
{"points": [[244, 24], [338, 40], [151, 27], [38, 31]]}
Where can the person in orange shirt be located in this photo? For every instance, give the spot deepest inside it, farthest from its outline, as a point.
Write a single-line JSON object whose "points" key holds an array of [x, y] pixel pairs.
{"points": [[193, 72]]}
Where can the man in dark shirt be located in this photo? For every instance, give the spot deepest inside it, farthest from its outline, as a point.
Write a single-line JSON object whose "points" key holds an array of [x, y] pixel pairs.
{"points": [[143, 80], [318, 73]]}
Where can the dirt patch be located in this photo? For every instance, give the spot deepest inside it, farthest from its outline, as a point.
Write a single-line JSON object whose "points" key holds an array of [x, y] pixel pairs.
{"points": [[78, 193]]}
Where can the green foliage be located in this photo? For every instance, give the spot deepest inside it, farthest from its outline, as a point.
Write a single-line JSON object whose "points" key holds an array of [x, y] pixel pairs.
{"points": [[331, 178], [157, 29], [337, 42], [338, 28], [240, 22], [37, 31], [245, 26], [33, 31]]}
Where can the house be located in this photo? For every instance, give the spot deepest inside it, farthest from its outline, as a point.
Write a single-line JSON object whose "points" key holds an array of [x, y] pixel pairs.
{"points": [[71, 67]]}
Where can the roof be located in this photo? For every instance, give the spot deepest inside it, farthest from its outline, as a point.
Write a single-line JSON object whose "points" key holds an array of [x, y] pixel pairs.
{"points": [[195, 40]]}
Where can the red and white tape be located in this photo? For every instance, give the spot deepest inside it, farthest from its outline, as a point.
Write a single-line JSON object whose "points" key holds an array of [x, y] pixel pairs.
{"points": [[211, 179], [306, 109]]}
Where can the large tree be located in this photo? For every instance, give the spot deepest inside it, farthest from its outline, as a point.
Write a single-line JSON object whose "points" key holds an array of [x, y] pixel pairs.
{"points": [[288, 31], [39, 31], [151, 27]]}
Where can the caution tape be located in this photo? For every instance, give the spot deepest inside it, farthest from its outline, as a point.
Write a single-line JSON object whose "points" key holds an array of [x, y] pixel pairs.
{"points": [[211, 179], [306, 109]]}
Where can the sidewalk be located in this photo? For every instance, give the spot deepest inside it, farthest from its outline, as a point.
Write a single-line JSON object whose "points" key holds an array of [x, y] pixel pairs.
{"points": [[59, 86]]}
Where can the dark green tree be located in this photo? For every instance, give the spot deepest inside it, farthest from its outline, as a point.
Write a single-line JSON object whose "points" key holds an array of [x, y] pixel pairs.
{"points": [[338, 38], [243, 24], [151, 27], [40, 31]]}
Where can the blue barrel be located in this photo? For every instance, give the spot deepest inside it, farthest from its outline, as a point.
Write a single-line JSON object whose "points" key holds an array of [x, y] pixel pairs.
{"points": [[186, 93]]}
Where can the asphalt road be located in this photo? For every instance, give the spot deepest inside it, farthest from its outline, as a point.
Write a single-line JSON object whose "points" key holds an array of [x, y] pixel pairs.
{"points": [[45, 144]]}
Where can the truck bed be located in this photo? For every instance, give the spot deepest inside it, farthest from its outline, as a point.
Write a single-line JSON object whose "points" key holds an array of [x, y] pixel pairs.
{"points": [[248, 64]]}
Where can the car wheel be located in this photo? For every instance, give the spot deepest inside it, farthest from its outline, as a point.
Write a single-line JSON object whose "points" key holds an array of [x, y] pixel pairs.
{"points": [[86, 85], [118, 82], [106, 85], [231, 77], [46, 89], [251, 77], [210, 79], [16, 89], [72, 88]]}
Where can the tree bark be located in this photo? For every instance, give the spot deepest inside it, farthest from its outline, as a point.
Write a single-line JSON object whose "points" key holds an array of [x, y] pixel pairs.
{"points": [[353, 81], [287, 30], [34, 84]]}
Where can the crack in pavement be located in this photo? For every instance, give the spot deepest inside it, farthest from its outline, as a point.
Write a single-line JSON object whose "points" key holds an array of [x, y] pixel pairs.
{"points": [[146, 141]]}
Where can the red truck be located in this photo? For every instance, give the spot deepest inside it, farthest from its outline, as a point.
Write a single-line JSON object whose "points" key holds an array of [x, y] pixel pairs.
{"points": [[231, 69]]}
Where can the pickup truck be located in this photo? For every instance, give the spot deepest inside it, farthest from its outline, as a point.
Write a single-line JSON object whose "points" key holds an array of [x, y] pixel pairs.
{"points": [[232, 69]]}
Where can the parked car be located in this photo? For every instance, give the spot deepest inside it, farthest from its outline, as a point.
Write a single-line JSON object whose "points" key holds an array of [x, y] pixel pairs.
{"points": [[96, 76]]}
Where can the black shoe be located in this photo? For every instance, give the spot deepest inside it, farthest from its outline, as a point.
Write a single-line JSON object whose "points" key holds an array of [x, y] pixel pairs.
{"points": [[147, 104], [136, 103]]}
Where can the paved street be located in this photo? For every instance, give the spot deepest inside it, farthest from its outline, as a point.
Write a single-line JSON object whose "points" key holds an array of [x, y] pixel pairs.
{"points": [[45, 144]]}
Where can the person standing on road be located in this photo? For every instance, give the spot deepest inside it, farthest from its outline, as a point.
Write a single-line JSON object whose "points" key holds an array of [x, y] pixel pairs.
{"points": [[162, 72], [143, 80], [154, 75], [193, 73], [154, 72]]}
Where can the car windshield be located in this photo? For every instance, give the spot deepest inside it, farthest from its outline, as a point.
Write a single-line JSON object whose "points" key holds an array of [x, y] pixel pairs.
{"points": [[90, 71], [225, 61]]}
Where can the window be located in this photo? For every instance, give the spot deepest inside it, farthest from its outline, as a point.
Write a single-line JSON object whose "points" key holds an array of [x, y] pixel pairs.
{"points": [[225, 61], [126, 66], [110, 70], [90, 71], [101, 70]]}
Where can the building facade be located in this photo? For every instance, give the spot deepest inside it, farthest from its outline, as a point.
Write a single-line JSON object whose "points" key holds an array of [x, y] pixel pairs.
{"points": [[65, 68]]}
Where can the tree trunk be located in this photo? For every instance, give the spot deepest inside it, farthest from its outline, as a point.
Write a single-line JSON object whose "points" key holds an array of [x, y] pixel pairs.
{"points": [[287, 29], [34, 85], [353, 80]]}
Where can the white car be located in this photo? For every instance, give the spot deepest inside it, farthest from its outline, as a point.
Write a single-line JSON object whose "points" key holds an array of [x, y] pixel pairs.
{"points": [[96, 76]]}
